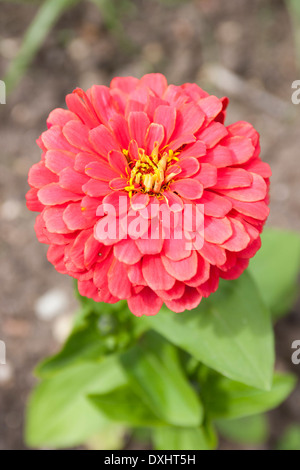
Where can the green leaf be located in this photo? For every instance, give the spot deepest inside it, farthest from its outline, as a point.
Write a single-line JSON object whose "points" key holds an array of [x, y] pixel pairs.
{"points": [[290, 439], [99, 329], [227, 399], [157, 378], [176, 438], [231, 332], [125, 407], [248, 430], [48, 14], [60, 415], [275, 269]]}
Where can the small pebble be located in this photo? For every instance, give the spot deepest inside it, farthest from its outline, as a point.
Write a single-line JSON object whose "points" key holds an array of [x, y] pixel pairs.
{"points": [[51, 304]]}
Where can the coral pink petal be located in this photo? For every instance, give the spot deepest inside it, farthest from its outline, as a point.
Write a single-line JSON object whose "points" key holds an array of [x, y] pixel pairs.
{"points": [[207, 175], [212, 134], [211, 285], [215, 205], [39, 175], [92, 251], [53, 194], [102, 102], [100, 171], [176, 292], [32, 200], [139, 201], [189, 166], [103, 141], [138, 123], [174, 202], [211, 106], [214, 254], [239, 239], [155, 274], [118, 162], [219, 156], [257, 191], [166, 116], [154, 137], [127, 252], [259, 167], [79, 103], [75, 219], [184, 139], [57, 160], [77, 134], [145, 303], [181, 270], [135, 274], [202, 275], [258, 210], [118, 282], [60, 117], [237, 270], [190, 299], [217, 230], [189, 120], [149, 246], [241, 148], [177, 248], [196, 149], [187, 188], [96, 188], [229, 178], [126, 84], [119, 126], [72, 180], [53, 139], [54, 221], [156, 82], [82, 160]]}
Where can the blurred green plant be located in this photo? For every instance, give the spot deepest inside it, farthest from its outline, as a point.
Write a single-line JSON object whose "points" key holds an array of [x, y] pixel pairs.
{"points": [[290, 439], [293, 7], [185, 378], [47, 16]]}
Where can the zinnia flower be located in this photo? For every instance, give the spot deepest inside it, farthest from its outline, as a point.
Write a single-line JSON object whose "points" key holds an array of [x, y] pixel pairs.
{"points": [[137, 146]]}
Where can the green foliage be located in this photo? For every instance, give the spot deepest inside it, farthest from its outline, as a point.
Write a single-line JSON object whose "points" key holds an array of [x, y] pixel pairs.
{"points": [[290, 439], [293, 7], [230, 332], [227, 399], [157, 378], [60, 415], [175, 438], [275, 269], [126, 407], [250, 430], [99, 329]]}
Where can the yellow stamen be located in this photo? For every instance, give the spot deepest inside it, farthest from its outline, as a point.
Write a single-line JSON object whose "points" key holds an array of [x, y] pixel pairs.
{"points": [[149, 171]]}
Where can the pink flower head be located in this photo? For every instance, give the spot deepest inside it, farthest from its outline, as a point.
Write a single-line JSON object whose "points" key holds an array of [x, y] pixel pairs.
{"points": [[151, 152]]}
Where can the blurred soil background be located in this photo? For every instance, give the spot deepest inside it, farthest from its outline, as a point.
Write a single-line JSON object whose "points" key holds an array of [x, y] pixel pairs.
{"points": [[240, 48]]}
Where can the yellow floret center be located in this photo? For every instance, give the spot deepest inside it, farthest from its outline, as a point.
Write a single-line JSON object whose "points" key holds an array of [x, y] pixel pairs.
{"points": [[149, 172]]}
